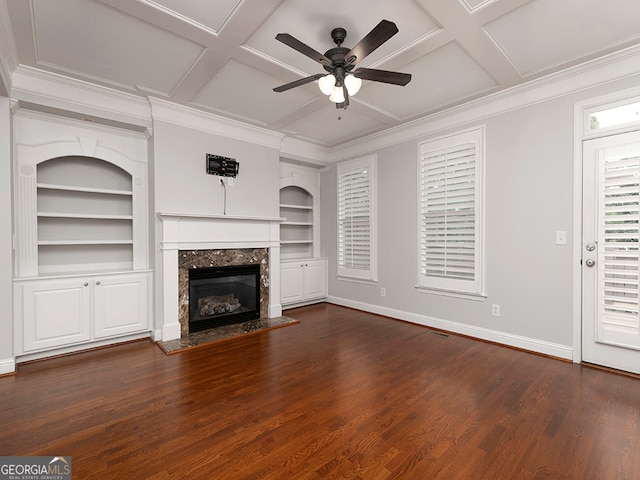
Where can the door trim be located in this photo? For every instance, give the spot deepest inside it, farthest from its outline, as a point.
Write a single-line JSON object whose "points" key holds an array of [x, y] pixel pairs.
{"points": [[579, 137]]}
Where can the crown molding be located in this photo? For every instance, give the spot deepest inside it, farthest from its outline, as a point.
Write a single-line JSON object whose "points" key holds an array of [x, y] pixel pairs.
{"points": [[591, 74], [304, 152], [58, 92], [162, 110], [63, 93]]}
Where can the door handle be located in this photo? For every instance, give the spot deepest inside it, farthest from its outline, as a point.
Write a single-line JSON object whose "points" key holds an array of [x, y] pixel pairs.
{"points": [[590, 262], [590, 247]]}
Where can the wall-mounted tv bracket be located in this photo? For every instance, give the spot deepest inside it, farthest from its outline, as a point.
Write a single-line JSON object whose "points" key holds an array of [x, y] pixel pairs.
{"points": [[223, 166]]}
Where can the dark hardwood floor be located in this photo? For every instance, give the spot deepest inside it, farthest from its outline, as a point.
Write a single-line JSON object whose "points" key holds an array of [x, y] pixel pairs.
{"points": [[343, 394]]}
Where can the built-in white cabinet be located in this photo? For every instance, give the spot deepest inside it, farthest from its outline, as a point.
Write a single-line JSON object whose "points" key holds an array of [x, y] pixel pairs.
{"points": [[60, 312], [54, 313], [303, 274], [81, 233], [303, 281]]}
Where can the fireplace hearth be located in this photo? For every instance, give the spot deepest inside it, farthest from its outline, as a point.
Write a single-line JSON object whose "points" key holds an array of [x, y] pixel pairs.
{"points": [[223, 296]]}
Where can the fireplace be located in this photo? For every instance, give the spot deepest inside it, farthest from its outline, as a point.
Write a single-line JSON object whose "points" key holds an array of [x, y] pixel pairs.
{"points": [[191, 240], [190, 261], [223, 296]]}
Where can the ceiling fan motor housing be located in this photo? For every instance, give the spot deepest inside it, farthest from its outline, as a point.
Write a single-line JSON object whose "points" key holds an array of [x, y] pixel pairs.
{"points": [[338, 35], [337, 54]]}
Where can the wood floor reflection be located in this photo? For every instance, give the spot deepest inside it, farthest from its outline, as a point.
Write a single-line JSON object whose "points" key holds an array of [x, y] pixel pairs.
{"points": [[344, 394]]}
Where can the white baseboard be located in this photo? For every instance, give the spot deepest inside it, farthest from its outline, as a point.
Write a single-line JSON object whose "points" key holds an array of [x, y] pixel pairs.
{"points": [[524, 343], [81, 347], [156, 335], [7, 365]]}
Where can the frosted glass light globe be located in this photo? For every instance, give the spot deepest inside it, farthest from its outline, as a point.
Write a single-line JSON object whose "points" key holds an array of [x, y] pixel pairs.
{"points": [[353, 84], [327, 83], [337, 96]]}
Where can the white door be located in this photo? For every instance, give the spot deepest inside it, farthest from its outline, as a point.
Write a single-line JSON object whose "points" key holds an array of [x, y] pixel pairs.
{"points": [[610, 235], [315, 279], [56, 313], [291, 282], [120, 304]]}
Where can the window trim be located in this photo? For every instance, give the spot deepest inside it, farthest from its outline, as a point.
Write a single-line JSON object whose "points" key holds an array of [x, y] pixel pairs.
{"points": [[621, 101], [474, 290], [370, 275]]}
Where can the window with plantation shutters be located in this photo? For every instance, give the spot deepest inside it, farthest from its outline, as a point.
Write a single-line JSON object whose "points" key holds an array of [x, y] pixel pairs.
{"points": [[450, 209], [619, 236], [356, 219]]}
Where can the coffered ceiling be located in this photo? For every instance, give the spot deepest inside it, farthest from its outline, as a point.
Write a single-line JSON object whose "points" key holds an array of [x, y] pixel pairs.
{"points": [[222, 57]]}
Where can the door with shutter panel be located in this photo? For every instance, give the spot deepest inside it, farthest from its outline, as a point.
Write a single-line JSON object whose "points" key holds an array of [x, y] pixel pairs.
{"points": [[610, 261]]}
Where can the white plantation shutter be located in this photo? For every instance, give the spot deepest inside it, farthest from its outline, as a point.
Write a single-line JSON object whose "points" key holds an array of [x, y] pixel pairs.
{"points": [[619, 233], [356, 219], [450, 213]]}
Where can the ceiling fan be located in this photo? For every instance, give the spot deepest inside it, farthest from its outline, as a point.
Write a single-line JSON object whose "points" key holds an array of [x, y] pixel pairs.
{"points": [[342, 80]]}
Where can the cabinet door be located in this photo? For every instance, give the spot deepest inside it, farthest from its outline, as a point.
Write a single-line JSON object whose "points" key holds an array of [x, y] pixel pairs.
{"points": [[121, 304], [56, 313], [291, 282], [315, 279]]}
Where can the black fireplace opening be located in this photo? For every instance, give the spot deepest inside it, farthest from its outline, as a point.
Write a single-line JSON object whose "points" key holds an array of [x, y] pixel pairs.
{"points": [[223, 296]]}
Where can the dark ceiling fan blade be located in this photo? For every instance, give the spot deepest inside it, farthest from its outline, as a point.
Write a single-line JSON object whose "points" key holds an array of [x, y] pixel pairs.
{"points": [[303, 48], [395, 78], [376, 37], [297, 83]]}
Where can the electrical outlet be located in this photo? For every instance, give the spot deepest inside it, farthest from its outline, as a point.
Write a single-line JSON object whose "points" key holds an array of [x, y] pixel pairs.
{"points": [[383, 292], [495, 310]]}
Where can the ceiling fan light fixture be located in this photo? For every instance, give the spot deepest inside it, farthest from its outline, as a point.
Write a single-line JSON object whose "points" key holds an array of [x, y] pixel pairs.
{"points": [[337, 96], [353, 84], [327, 83]]}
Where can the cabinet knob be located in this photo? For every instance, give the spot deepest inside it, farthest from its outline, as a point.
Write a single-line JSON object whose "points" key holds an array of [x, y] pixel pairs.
{"points": [[98, 282], [86, 284]]}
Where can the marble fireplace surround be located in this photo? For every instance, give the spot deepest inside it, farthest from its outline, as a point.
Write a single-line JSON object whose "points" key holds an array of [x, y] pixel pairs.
{"points": [[188, 259], [200, 236]]}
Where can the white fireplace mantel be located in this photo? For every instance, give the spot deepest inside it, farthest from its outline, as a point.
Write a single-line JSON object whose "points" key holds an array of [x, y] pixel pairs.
{"points": [[189, 231]]}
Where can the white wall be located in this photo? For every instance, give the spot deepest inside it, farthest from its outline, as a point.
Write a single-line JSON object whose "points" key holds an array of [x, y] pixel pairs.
{"points": [[529, 196], [182, 185], [6, 252]]}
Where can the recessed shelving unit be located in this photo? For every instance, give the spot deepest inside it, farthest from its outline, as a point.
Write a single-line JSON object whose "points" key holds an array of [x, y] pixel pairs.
{"points": [[87, 203], [296, 231]]}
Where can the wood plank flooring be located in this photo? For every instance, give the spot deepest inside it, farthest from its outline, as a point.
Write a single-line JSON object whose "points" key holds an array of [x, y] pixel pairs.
{"points": [[343, 394]]}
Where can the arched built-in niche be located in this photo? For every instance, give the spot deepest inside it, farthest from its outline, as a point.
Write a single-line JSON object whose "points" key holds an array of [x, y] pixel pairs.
{"points": [[82, 208], [299, 206]]}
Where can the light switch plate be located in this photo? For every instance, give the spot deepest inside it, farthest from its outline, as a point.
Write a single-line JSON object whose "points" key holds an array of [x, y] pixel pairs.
{"points": [[561, 237]]}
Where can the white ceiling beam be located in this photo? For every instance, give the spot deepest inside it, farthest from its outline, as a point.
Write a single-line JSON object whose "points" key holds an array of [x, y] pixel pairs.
{"points": [[469, 35]]}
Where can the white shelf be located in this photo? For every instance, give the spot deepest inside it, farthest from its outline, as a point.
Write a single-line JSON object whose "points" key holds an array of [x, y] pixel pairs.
{"points": [[93, 216], [296, 242], [296, 207], [68, 188], [85, 242], [299, 224]]}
